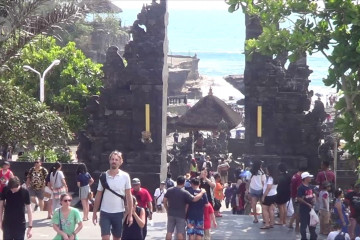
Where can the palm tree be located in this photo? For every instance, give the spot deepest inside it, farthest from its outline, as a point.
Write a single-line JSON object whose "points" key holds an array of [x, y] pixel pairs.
{"points": [[22, 20]]}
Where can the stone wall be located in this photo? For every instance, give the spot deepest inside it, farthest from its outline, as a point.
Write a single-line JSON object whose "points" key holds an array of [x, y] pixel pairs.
{"points": [[117, 116]]}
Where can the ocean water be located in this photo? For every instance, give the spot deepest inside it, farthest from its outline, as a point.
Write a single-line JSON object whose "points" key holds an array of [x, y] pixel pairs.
{"points": [[217, 37]]}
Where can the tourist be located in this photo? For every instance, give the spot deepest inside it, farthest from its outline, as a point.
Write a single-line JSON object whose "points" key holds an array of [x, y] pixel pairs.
{"points": [[340, 217], [283, 193], [176, 136], [111, 202], [200, 162], [228, 194], [169, 182], [325, 174], [159, 197], [143, 199], [295, 183], [84, 181], [5, 175], [193, 168], [175, 202], [218, 194], [257, 182], [58, 184], [269, 196], [195, 213], [9, 154], [207, 164], [209, 217], [135, 230], [324, 208], [35, 183], [305, 197], [223, 170], [13, 203], [207, 182], [334, 235], [65, 220], [353, 199]]}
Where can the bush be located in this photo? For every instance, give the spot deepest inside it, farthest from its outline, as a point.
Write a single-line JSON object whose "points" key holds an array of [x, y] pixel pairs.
{"points": [[50, 155]]}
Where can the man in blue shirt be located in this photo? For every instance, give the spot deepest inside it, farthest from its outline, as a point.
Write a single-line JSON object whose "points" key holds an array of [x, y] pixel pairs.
{"points": [[195, 212], [305, 198]]}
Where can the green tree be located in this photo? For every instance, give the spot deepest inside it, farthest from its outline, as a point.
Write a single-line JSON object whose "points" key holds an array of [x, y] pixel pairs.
{"points": [[22, 20], [67, 87], [330, 27], [25, 121]]}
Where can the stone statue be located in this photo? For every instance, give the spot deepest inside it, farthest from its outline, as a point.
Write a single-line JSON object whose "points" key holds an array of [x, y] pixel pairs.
{"points": [[113, 68]]}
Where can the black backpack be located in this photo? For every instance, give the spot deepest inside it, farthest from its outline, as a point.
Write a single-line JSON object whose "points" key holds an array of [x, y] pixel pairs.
{"points": [[169, 183], [106, 186], [340, 236]]}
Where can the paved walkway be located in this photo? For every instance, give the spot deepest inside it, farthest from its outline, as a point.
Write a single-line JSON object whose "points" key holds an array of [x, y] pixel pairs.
{"points": [[231, 227]]}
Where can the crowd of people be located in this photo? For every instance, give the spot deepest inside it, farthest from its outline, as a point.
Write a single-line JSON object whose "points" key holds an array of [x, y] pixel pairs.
{"points": [[192, 202]]}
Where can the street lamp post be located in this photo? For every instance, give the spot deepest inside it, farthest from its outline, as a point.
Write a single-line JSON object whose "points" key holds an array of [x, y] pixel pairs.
{"points": [[42, 76]]}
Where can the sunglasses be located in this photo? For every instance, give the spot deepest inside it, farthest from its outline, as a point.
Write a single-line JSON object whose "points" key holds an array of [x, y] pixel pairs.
{"points": [[67, 200]]}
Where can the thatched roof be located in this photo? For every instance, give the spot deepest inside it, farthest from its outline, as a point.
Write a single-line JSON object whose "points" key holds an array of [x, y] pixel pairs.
{"points": [[207, 113]]}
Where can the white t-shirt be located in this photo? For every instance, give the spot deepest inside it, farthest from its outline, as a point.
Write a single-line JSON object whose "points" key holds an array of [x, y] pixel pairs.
{"points": [[256, 181], [56, 179], [161, 194], [119, 183], [272, 191], [332, 235]]}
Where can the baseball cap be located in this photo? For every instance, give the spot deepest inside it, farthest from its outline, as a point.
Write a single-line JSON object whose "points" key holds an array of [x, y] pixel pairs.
{"points": [[306, 175], [135, 181], [6, 163]]}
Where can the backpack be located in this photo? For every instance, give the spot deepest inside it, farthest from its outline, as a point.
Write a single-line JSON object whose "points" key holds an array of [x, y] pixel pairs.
{"points": [[169, 183], [340, 236]]}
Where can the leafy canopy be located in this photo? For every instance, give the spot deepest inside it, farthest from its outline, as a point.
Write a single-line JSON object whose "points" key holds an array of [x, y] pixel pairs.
{"points": [[331, 27], [68, 86], [24, 121]]}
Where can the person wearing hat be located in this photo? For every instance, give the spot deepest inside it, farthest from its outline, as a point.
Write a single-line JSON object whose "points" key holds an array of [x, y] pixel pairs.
{"points": [[144, 200], [159, 197], [306, 197], [352, 199], [324, 208], [5, 175]]}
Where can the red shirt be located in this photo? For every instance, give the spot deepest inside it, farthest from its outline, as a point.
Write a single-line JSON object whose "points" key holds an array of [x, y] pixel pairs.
{"points": [[295, 183], [320, 177], [208, 210], [142, 196], [4, 178]]}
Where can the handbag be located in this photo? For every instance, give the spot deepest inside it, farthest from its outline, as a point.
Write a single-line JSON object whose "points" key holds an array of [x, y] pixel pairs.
{"points": [[90, 196], [314, 218]]}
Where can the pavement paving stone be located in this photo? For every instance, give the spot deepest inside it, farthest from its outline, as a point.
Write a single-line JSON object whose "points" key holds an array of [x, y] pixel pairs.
{"points": [[230, 227]]}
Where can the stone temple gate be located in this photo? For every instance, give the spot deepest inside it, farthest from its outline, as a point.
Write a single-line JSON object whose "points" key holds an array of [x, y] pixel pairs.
{"points": [[130, 113], [132, 104]]}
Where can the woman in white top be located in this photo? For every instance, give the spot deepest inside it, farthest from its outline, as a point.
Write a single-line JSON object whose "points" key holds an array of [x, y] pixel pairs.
{"points": [[257, 180], [269, 196]]}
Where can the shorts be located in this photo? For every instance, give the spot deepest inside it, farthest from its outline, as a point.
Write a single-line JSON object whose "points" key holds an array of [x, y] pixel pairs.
{"points": [[11, 232], [195, 227], [269, 200], [295, 206], [256, 193], [111, 221], [36, 193], [84, 192], [176, 222]]}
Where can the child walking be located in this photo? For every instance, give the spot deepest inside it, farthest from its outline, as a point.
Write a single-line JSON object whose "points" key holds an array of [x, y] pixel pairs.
{"points": [[209, 217]]}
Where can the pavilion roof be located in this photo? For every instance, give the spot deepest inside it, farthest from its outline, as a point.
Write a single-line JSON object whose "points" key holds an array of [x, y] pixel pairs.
{"points": [[207, 113]]}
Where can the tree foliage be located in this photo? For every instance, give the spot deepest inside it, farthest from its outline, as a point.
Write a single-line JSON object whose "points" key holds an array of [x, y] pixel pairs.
{"points": [[24, 121], [22, 20], [331, 27], [68, 86]]}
